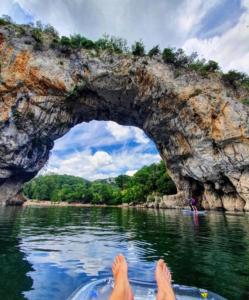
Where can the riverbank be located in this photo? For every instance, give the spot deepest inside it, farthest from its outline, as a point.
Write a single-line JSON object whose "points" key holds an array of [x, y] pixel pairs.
{"points": [[146, 205], [77, 204], [47, 203], [62, 203], [168, 201]]}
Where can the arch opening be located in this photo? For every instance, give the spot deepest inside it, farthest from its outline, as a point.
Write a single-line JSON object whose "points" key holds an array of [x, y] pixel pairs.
{"points": [[101, 149], [102, 163]]}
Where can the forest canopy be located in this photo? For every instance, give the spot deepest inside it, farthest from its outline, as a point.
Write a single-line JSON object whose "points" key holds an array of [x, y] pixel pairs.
{"points": [[152, 179]]}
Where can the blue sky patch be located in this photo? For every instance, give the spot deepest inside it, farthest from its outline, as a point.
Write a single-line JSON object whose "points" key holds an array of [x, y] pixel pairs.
{"points": [[19, 15], [221, 18]]}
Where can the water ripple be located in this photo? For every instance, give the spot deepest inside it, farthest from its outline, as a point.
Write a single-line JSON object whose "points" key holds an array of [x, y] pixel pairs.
{"points": [[57, 249]]}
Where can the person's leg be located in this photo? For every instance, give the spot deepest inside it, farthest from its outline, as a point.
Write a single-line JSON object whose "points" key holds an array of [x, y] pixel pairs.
{"points": [[163, 278], [122, 289]]}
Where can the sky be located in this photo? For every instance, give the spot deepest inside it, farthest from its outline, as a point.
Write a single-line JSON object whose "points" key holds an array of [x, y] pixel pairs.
{"points": [[216, 29]]}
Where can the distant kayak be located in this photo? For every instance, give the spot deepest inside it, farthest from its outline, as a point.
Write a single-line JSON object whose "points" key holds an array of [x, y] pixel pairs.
{"points": [[101, 290], [190, 212]]}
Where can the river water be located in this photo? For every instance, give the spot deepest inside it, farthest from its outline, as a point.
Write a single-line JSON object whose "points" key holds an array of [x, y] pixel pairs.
{"points": [[46, 253]]}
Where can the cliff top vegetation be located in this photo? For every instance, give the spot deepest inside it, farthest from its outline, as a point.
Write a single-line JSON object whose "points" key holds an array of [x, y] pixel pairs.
{"points": [[43, 37]]}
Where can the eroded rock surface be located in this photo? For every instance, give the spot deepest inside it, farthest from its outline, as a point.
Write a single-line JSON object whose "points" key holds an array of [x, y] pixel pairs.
{"points": [[199, 125]]}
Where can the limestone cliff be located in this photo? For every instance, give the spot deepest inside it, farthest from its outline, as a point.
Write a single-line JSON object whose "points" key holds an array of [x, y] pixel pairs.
{"points": [[199, 124]]}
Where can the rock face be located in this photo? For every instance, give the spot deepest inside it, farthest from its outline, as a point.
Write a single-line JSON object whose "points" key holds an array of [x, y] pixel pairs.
{"points": [[199, 125]]}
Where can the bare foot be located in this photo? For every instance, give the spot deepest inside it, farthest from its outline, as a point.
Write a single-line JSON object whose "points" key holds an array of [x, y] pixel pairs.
{"points": [[122, 289], [163, 278]]}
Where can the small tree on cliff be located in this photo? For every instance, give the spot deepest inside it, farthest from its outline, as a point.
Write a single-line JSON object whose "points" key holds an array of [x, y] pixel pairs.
{"points": [[169, 56], [138, 48], [154, 51]]}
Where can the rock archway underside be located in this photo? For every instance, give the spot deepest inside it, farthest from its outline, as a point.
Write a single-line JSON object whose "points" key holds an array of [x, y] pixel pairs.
{"points": [[198, 124]]}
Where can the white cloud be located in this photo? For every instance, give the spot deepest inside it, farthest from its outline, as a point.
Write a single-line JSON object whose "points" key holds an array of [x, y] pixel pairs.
{"points": [[131, 172], [92, 134], [163, 22], [100, 164], [231, 49], [101, 149], [124, 133], [140, 137], [192, 13], [120, 133], [101, 159], [5, 6], [99, 134]]}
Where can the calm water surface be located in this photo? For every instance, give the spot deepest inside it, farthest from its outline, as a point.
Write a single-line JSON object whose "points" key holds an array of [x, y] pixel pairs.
{"points": [[46, 253]]}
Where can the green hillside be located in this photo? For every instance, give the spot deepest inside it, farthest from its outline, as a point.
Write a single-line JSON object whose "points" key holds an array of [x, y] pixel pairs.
{"points": [[122, 189]]}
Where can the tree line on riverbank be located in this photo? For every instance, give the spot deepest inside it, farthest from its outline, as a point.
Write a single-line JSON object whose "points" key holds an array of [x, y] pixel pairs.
{"points": [[152, 179]]}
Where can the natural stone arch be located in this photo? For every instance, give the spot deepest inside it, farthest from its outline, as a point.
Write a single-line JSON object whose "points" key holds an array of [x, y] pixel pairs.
{"points": [[199, 126]]}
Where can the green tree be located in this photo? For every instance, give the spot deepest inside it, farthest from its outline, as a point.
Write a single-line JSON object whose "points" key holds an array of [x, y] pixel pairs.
{"points": [[65, 41], [102, 193], [169, 56], [122, 181], [148, 180], [154, 51], [112, 44], [212, 66], [138, 48], [134, 194], [236, 79]]}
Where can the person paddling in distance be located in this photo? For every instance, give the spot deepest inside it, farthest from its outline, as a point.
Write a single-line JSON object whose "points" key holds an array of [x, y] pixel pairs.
{"points": [[193, 204], [122, 289]]}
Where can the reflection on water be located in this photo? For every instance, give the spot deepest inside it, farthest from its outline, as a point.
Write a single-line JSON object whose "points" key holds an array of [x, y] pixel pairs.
{"points": [[13, 266], [46, 253]]}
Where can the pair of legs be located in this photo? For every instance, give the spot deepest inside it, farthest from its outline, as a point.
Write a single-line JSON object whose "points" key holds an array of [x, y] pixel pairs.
{"points": [[122, 289], [193, 208]]}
